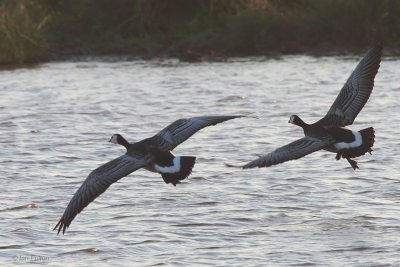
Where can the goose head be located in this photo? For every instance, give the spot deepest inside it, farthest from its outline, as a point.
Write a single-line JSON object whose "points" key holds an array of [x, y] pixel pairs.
{"points": [[119, 140], [294, 119], [116, 139]]}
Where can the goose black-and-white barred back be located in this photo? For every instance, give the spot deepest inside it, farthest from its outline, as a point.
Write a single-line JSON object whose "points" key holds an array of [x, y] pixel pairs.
{"points": [[329, 133], [152, 153]]}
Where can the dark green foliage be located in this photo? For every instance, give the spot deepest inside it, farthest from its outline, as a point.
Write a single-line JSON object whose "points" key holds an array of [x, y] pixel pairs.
{"points": [[35, 30]]}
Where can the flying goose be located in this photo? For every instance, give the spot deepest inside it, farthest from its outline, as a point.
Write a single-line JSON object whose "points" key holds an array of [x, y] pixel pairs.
{"points": [[153, 154], [329, 133], [173, 169]]}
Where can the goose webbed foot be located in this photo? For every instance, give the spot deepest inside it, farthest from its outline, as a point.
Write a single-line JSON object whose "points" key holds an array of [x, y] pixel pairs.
{"points": [[353, 163], [338, 156]]}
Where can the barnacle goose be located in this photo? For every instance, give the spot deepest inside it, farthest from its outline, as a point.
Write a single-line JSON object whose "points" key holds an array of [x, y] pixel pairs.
{"points": [[152, 153], [330, 133]]}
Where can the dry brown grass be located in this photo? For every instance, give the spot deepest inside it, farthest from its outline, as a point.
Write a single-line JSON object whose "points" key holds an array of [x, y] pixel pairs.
{"points": [[21, 31], [168, 27]]}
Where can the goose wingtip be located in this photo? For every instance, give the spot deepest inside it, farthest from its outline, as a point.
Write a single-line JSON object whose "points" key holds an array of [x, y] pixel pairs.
{"points": [[249, 115], [248, 165], [61, 226], [229, 165]]}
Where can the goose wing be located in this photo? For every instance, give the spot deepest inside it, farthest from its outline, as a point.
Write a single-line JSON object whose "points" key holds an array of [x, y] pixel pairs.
{"points": [[97, 182], [294, 150], [355, 92], [180, 130]]}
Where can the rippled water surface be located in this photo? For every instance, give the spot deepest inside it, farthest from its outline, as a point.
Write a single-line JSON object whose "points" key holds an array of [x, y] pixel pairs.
{"points": [[56, 120]]}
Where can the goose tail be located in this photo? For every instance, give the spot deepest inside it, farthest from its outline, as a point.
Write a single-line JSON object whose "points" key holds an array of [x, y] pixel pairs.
{"points": [[368, 140]]}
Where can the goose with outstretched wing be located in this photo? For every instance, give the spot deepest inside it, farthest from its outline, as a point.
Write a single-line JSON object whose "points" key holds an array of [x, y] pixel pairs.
{"points": [[330, 133], [153, 154]]}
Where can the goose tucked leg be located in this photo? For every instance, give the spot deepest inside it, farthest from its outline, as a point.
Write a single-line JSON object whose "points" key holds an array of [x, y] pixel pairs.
{"points": [[353, 163]]}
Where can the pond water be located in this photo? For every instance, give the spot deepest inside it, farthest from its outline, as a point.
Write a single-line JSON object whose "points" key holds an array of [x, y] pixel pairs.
{"points": [[56, 120]]}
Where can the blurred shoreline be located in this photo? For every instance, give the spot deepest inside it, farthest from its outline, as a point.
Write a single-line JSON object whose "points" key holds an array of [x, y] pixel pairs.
{"points": [[33, 31]]}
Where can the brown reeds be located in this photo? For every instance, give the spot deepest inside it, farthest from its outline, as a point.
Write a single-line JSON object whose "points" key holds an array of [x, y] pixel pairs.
{"points": [[169, 27], [21, 31]]}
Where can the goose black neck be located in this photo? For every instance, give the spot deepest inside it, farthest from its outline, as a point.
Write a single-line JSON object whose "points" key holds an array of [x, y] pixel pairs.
{"points": [[122, 141], [300, 122]]}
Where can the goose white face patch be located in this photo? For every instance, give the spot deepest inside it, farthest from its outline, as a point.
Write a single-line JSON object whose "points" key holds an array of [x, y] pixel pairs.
{"points": [[356, 143], [176, 167], [291, 120], [114, 139]]}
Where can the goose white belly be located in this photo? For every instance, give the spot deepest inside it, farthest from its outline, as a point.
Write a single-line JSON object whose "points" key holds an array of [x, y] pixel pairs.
{"points": [[176, 166], [336, 147], [345, 145]]}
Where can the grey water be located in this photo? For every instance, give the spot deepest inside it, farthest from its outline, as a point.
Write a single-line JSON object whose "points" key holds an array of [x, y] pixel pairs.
{"points": [[56, 120]]}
